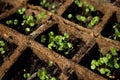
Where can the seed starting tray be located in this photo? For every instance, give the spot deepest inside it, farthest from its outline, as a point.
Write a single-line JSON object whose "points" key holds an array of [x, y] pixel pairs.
{"points": [[90, 40]]}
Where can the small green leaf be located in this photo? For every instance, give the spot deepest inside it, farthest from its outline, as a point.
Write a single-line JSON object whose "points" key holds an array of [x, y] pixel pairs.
{"points": [[43, 38], [108, 55], [91, 8], [102, 71], [105, 59], [53, 78], [81, 18], [93, 67], [26, 75], [116, 65], [113, 51], [70, 16], [27, 29]]}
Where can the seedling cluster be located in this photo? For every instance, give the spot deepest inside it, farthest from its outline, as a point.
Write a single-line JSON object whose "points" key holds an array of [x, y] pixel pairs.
{"points": [[60, 43], [107, 64], [85, 16], [2, 48], [41, 74], [116, 35], [28, 21], [49, 6]]}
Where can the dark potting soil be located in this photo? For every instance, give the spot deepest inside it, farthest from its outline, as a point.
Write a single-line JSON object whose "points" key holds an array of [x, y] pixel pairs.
{"points": [[108, 30], [9, 48], [30, 63], [18, 27], [51, 2], [95, 54], [76, 42], [5, 7], [75, 10]]}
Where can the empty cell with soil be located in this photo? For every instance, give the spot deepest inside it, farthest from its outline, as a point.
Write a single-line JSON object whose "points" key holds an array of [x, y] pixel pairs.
{"points": [[6, 50], [50, 5], [83, 13], [24, 20], [60, 41], [112, 28], [29, 67], [107, 65]]}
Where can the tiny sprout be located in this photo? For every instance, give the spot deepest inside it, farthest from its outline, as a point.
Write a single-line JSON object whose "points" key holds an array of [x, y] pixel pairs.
{"points": [[41, 15], [94, 20], [27, 30], [91, 8], [42, 2], [51, 63], [43, 38], [53, 78], [2, 50], [113, 51], [81, 18], [2, 43], [70, 16], [106, 62], [86, 11], [26, 75], [53, 6], [9, 22], [15, 21], [85, 4], [22, 10]]}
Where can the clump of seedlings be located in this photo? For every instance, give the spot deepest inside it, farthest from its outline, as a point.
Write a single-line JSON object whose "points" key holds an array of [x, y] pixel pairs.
{"points": [[59, 43], [107, 64], [116, 35], [2, 48], [26, 23], [50, 5], [85, 14], [41, 74]]}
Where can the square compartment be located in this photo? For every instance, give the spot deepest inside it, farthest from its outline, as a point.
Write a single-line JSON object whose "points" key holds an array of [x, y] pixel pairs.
{"points": [[108, 30], [78, 11], [9, 49], [56, 28], [28, 62], [95, 54], [27, 22], [49, 5]]}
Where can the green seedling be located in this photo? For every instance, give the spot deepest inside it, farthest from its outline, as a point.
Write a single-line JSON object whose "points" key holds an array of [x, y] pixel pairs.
{"points": [[28, 21], [2, 49], [21, 11], [107, 63], [85, 16], [94, 21], [117, 32], [49, 6], [41, 74], [70, 16], [58, 42], [81, 18]]}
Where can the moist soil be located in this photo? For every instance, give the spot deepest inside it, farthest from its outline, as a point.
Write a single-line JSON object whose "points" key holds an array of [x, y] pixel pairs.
{"points": [[108, 31], [29, 63], [75, 10], [52, 2], [95, 54], [18, 27], [76, 42], [9, 48]]}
